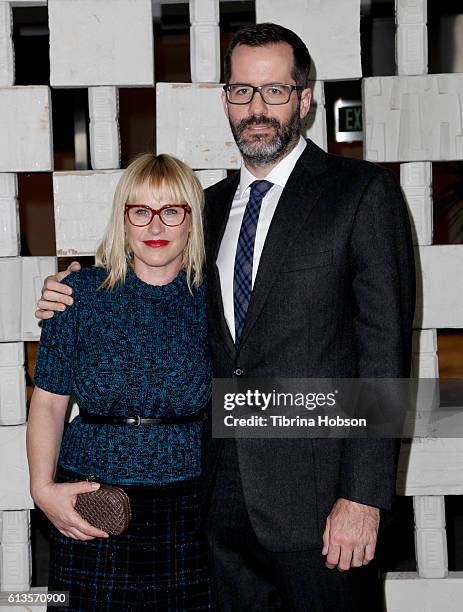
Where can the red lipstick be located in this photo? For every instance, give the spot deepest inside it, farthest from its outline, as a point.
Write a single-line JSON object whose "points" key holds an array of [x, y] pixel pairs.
{"points": [[155, 244]]}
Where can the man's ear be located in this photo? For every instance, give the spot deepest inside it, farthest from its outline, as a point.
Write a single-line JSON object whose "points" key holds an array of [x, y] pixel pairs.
{"points": [[306, 97], [224, 103]]}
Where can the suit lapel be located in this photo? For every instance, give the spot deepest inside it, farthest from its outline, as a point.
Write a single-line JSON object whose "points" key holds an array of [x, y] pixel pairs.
{"points": [[300, 195], [218, 210]]}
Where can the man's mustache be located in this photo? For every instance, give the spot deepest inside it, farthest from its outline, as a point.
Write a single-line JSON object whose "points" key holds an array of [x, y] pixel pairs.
{"points": [[254, 120]]}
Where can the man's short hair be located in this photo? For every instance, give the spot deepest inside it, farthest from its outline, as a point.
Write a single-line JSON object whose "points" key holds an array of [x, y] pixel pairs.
{"points": [[261, 34]]}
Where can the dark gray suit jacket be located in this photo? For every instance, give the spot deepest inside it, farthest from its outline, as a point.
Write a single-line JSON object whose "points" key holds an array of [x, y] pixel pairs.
{"points": [[333, 297]]}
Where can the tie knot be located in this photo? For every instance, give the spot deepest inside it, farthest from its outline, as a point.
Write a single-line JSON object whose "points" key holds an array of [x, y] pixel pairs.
{"points": [[260, 188]]}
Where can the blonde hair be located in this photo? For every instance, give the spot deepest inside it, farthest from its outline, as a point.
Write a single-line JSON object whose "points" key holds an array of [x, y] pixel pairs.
{"points": [[153, 172]]}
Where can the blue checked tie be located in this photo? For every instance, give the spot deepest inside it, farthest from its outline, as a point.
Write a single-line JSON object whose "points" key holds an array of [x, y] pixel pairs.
{"points": [[242, 278]]}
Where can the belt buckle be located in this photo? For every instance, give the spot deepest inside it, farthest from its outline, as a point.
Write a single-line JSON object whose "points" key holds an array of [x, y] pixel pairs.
{"points": [[138, 420]]}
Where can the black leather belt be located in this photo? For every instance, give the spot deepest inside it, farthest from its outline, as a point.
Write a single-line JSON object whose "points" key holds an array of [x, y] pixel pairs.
{"points": [[138, 420]]}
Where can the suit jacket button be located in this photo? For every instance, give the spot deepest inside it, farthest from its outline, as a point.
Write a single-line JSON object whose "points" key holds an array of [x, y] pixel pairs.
{"points": [[238, 372]]}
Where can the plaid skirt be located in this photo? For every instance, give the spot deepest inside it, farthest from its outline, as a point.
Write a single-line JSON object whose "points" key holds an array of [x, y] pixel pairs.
{"points": [[158, 563]]}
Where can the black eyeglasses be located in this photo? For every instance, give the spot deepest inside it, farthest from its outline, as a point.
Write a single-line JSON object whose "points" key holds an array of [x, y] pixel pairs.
{"points": [[273, 93], [142, 214]]}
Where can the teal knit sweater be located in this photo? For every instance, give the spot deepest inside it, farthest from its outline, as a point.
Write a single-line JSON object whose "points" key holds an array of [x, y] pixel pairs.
{"points": [[136, 350]]}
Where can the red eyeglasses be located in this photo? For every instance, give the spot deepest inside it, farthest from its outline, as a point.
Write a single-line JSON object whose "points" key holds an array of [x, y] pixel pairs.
{"points": [[170, 214]]}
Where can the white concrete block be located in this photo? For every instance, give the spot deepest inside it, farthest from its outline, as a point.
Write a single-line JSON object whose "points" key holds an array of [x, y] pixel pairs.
{"points": [[420, 421], [416, 181], [411, 37], [414, 118], [430, 536], [34, 272], [431, 466], [83, 202], [15, 527], [25, 129], [14, 472], [424, 356], [12, 395], [329, 28], [439, 287], [210, 177], [191, 125], [6, 46], [204, 11], [412, 49], [15, 567], [205, 53], [9, 215], [431, 553], [28, 2], [407, 592], [101, 42], [429, 511], [11, 354], [409, 12], [204, 41], [10, 299], [425, 365], [105, 147], [424, 341], [314, 125], [23, 279]]}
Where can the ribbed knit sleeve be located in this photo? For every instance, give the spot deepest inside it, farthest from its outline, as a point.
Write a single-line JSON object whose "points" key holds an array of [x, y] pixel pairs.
{"points": [[53, 370]]}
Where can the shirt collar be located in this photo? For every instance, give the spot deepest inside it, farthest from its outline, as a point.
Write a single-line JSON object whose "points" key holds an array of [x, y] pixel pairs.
{"points": [[279, 175]]}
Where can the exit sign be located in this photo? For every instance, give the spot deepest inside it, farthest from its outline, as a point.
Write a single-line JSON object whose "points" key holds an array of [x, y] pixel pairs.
{"points": [[348, 120]]}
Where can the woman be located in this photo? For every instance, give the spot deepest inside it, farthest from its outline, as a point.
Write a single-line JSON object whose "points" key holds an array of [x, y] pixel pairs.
{"points": [[134, 344]]}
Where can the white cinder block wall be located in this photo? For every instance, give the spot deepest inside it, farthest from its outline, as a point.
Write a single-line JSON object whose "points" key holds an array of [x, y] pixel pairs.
{"points": [[106, 44], [25, 146], [395, 111]]}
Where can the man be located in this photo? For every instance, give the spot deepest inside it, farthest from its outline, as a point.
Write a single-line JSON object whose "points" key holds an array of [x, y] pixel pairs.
{"points": [[311, 274]]}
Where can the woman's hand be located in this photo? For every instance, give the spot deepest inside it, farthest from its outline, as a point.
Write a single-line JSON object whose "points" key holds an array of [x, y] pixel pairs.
{"points": [[57, 500], [44, 433]]}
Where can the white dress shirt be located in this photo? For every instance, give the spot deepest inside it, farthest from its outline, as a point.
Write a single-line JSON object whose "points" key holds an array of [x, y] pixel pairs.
{"points": [[226, 258]]}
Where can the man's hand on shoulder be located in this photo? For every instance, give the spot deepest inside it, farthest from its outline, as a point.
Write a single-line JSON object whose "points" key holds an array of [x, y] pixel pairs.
{"points": [[55, 296], [349, 539]]}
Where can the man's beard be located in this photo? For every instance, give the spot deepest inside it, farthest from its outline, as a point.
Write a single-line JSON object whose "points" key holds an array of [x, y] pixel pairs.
{"points": [[258, 149]]}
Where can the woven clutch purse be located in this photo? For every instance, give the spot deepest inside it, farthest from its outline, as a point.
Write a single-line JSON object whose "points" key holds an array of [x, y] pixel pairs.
{"points": [[107, 508]]}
